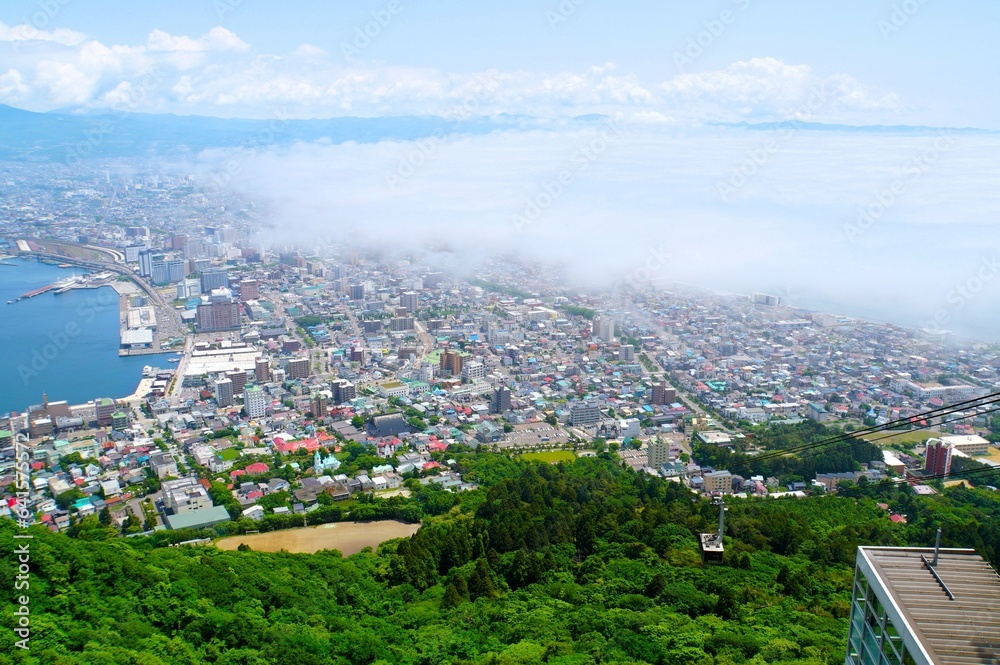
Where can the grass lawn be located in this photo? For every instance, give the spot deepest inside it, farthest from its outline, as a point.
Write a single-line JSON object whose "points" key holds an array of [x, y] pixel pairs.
{"points": [[550, 456], [993, 455], [907, 437], [229, 454]]}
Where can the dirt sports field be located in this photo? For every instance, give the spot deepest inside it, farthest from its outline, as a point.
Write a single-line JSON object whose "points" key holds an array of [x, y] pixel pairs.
{"points": [[348, 537]]}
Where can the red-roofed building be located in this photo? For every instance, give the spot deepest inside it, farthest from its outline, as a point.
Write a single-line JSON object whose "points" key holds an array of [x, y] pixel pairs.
{"points": [[285, 447], [237, 473], [257, 468]]}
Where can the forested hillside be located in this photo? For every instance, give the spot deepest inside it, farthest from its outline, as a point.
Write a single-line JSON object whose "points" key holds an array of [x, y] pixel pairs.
{"points": [[569, 564]]}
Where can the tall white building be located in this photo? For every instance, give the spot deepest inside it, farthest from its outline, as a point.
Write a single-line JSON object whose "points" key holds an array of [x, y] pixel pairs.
{"points": [[254, 401], [604, 328], [473, 371]]}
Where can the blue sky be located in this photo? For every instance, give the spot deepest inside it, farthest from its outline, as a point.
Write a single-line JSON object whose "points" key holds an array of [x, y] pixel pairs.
{"points": [[937, 62]]}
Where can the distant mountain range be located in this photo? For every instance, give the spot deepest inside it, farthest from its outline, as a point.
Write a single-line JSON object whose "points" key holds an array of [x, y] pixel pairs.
{"points": [[73, 135], [870, 129]]}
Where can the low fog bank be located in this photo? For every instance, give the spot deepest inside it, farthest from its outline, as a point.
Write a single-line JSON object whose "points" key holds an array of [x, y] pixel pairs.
{"points": [[897, 227]]}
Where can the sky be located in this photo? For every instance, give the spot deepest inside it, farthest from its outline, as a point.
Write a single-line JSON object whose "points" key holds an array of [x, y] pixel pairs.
{"points": [[914, 62], [659, 183]]}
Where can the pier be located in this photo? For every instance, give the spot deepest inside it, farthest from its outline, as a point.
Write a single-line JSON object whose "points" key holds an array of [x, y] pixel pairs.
{"points": [[38, 292]]}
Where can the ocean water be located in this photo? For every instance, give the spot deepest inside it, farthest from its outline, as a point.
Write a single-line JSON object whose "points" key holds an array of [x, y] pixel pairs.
{"points": [[65, 346]]}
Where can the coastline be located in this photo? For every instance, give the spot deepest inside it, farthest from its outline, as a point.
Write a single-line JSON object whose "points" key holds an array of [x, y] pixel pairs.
{"points": [[63, 345]]}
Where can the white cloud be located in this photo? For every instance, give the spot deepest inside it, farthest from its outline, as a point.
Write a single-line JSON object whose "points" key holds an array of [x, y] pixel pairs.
{"points": [[767, 88], [64, 83], [29, 33], [653, 187], [218, 73], [217, 39], [310, 51], [12, 87]]}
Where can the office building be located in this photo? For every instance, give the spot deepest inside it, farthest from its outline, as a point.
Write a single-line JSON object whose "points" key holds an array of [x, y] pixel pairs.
{"points": [[219, 314], [657, 454], [409, 300], [766, 299], [198, 265], [214, 279], [298, 368], [146, 257], [188, 288], [626, 353], [401, 324], [132, 252], [119, 420], [317, 404], [239, 379], [184, 495], [923, 606], [968, 444], [224, 392], [451, 361], [158, 273], [719, 481], [249, 290], [584, 414], [500, 403], [104, 407], [629, 428], [604, 328], [663, 395], [938, 458], [254, 401], [175, 270], [473, 371], [343, 391], [357, 291], [262, 370]]}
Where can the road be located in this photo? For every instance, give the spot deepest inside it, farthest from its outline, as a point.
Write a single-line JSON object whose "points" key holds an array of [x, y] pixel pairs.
{"points": [[661, 374]]}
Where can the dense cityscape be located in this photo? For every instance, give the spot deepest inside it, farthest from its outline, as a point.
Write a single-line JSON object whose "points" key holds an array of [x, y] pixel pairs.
{"points": [[265, 361]]}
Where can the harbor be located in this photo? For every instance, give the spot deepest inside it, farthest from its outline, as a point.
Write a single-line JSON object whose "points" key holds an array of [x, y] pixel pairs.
{"points": [[88, 281]]}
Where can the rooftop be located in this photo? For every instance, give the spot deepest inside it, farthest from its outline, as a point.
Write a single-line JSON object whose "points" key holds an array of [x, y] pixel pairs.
{"points": [[955, 614]]}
